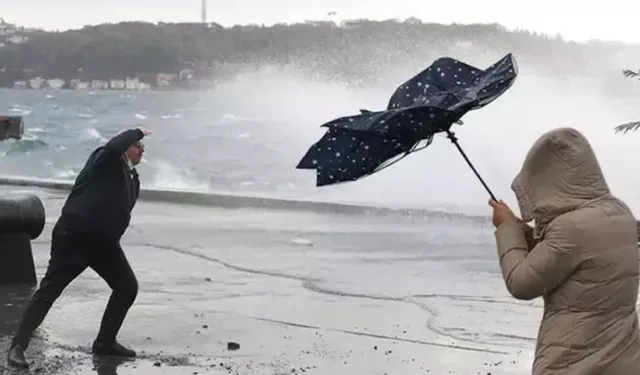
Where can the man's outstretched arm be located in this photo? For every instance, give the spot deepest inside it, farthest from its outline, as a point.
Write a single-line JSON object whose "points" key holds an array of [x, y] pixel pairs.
{"points": [[120, 143]]}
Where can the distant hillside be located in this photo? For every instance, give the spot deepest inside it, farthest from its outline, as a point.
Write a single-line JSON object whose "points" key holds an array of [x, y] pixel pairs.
{"points": [[357, 51]]}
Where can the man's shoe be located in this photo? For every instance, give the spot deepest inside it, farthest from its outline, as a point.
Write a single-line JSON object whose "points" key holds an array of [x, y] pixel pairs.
{"points": [[15, 357], [112, 349]]}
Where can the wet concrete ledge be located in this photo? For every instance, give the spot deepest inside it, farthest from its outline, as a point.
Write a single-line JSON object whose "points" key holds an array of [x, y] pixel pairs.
{"points": [[225, 200]]}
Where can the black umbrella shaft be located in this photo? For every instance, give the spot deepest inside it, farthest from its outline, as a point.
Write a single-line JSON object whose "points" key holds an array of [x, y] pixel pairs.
{"points": [[454, 140]]}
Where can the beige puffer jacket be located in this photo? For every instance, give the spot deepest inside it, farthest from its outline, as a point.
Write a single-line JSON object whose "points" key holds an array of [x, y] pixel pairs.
{"points": [[581, 257]]}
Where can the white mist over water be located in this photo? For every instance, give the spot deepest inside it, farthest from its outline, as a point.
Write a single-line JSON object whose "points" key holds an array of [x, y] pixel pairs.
{"points": [[496, 138], [247, 135]]}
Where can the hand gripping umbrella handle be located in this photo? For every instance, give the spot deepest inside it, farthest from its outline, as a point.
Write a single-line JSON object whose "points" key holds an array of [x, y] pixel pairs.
{"points": [[454, 140]]}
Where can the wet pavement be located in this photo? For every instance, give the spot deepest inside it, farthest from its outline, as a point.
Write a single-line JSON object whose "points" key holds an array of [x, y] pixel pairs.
{"points": [[300, 292]]}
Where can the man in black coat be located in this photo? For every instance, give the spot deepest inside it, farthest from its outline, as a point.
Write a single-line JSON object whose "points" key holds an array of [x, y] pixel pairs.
{"points": [[94, 217]]}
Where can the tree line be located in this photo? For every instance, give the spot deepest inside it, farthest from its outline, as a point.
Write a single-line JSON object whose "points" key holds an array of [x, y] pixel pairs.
{"points": [[357, 51]]}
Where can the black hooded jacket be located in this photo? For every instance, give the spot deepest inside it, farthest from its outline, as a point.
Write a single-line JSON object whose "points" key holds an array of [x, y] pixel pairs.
{"points": [[105, 191]]}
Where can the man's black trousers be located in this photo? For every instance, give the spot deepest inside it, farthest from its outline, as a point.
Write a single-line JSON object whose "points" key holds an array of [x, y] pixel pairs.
{"points": [[72, 251]]}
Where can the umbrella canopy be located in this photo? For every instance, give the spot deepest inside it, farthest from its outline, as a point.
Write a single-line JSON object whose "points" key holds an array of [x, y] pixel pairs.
{"points": [[427, 104]]}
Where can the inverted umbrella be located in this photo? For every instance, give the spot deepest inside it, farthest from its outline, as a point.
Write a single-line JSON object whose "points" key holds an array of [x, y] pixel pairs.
{"points": [[429, 103]]}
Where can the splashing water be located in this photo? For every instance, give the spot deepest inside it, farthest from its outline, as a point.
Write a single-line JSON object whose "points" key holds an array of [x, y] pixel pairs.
{"points": [[247, 135]]}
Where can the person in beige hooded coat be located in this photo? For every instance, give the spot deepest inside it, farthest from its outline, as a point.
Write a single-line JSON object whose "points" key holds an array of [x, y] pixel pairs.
{"points": [[581, 257]]}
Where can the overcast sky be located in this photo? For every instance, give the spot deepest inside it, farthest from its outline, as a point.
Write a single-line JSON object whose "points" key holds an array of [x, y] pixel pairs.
{"points": [[573, 19]]}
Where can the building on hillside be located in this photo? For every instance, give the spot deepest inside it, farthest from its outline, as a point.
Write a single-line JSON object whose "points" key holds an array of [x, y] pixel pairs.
{"points": [[6, 28], [56, 83], [78, 84], [98, 84], [165, 80], [16, 39], [11, 34], [186, 74], [36, 82], [117, 84]]}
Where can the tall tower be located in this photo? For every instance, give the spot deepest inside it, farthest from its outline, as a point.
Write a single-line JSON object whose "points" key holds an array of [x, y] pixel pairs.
{"points": [[204, 11]]}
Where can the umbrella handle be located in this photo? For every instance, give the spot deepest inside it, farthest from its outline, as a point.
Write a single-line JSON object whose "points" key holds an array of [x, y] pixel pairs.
{"points": [[454, 140]]}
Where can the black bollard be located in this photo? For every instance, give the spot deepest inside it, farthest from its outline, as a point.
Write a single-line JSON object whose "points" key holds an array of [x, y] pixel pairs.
{"points": [[11, 127], [22, 219]]}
